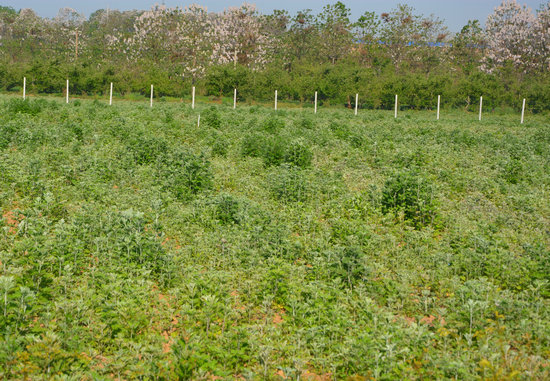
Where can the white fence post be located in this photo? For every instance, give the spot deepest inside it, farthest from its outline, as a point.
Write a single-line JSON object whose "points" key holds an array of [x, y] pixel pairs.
{"points": [[67, 95], [151, 96], [395, 113], [275, 99], [24, 87], [111, 95], [356, 102], [235, 99], [438, 103], [199, 121], [480, 106], [522, 110], [193, 98], [315, 112]]}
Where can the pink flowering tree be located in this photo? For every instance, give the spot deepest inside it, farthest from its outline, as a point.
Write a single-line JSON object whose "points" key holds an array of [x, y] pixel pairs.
{"points": [[511, 30], [239, 37], [541, 40], [193, 42], [181, 37], [68, 31], [155, 32]]}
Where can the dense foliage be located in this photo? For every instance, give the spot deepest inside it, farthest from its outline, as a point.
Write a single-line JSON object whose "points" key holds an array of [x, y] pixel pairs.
{"points": [[271, 245], [376, 56]]}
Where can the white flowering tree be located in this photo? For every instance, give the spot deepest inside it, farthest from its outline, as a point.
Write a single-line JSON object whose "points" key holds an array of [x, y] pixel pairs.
{"points": [[239, 37], [181, 37], [155, 33], [510, 37], [109, 31], [68, 31], [541, 40], [194, 40], [25, 31]]}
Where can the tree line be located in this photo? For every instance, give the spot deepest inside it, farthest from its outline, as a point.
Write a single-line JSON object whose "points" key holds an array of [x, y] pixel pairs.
{"points": [[400, 51]]}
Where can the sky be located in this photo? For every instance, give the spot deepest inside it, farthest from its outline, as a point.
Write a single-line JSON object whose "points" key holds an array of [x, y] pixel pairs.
{"points": [[456, 13]]}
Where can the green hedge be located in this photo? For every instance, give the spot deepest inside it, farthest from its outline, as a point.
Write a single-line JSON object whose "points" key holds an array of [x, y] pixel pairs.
{"points": [[336, 84]]}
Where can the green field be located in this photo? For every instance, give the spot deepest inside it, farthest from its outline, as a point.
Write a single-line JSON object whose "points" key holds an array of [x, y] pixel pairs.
{"points": [[272, 245]]}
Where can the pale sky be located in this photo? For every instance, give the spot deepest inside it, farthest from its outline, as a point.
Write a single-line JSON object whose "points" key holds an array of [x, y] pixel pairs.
{"points": [[455, 13]]}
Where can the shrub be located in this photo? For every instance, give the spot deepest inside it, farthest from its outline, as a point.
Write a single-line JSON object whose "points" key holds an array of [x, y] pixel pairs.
{"points": [[146, 149], [211, 117], [227, 209], [252, 145], [273, 124], [274, 151], [185, 173], [410, 194], [298, 154], [288, 184], [7, 133], [219, 148], [339, 129], [20, 106], [139, 245], [304, 122], [219, 143], [347, 264], [513, 171]]}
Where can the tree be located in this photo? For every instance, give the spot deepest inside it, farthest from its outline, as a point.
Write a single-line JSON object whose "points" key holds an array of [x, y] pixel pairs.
{"points": [[302, 36], [367, 35], [411, 38], [276, 25], [27, 32], [510, 37], [108, 31], [468, 46], [541, 38], [68, 24], [193, 46], [399, 27], [238, 37], [335, 31], [7, 17], [154, 33]]}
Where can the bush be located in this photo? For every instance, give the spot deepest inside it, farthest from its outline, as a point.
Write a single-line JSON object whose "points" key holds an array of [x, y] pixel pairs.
{"points": [[211, 117], [7, 133], [273, 124], [288, 184], [304, 122], [410, 194], [274, 151], [298, 154], [339, 129], [146, 149], [219, 147], [227, 209], [185, 173], [347, 264], [219, 143], [20, 106], [253, 145], [513, 171]]}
